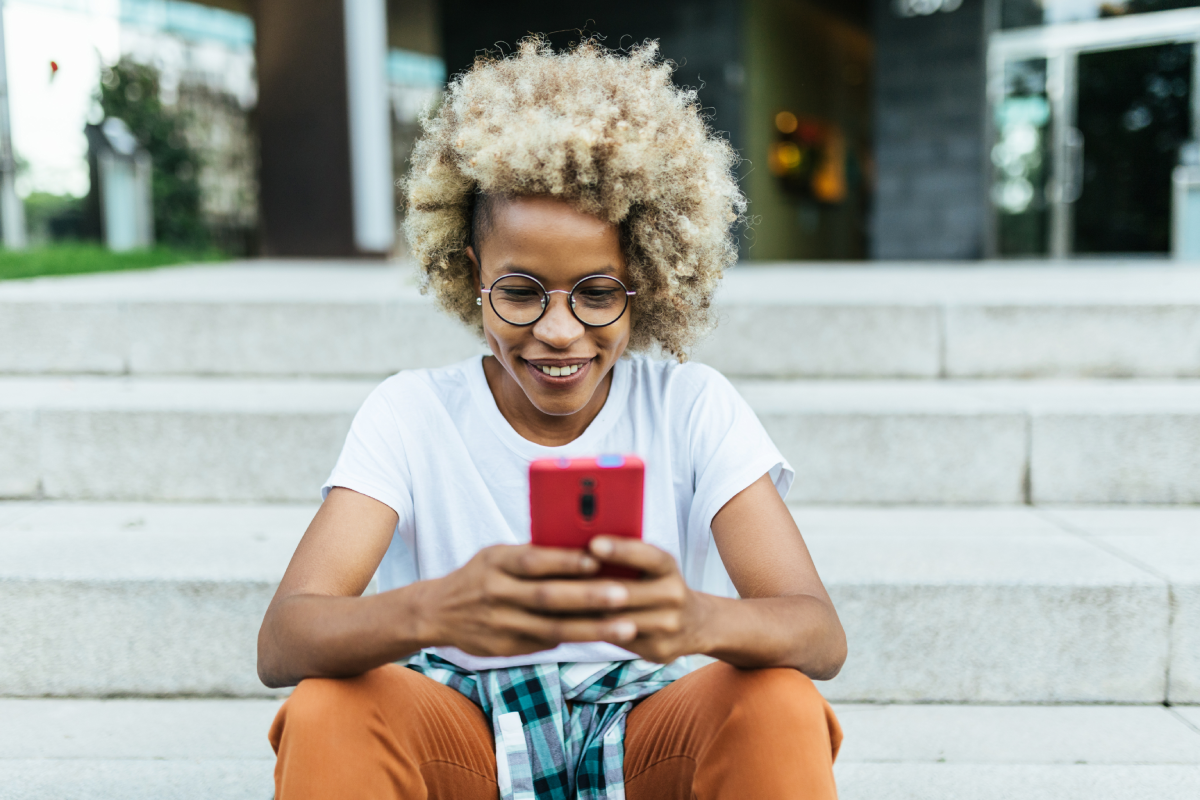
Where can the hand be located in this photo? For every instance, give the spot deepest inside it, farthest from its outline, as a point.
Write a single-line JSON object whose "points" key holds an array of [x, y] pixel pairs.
{"points": [[669, 617], [516, 599]]}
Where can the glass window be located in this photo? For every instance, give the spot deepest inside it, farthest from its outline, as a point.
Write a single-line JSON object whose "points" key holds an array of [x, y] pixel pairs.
{"points": [[1026, 13], [1021, 160], [1134, 114]]}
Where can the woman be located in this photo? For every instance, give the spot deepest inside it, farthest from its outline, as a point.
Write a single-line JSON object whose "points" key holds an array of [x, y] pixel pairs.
{"points": [[552, 179]]}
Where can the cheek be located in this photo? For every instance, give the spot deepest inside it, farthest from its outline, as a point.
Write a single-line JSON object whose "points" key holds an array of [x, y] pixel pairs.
{"points": [[499, 335], [615, 337]]}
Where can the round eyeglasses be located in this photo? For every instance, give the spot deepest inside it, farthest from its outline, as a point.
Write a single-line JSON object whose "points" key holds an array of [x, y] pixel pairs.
{"points": [[596, 301]]}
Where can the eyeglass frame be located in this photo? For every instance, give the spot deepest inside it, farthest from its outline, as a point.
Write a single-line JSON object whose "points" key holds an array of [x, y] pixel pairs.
{"points": [[546, 298]]}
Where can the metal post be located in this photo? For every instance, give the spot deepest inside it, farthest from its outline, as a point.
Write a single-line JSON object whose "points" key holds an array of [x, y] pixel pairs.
{"points": [[1061, 89], [12, 211]]}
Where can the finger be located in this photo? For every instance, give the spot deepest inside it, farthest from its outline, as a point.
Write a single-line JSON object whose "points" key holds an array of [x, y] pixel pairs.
{"points": [[655, 622], [567, 597], [633, 553], [669, 593], [557, 630], [528, 561]]}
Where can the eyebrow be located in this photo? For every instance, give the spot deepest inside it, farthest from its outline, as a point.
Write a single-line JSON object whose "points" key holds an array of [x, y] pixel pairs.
{"points": [[511, 268]]}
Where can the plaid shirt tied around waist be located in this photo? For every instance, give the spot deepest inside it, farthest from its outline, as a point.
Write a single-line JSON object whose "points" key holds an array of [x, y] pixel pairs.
{"points": [[544, 752]]}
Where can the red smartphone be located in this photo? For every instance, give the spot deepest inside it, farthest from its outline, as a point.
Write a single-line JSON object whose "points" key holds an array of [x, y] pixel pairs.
{"points": [[573, 499]]}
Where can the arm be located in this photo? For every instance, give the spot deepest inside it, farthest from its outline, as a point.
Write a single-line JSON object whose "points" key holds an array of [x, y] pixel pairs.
{"points": [[785, 617], [319, 625]]}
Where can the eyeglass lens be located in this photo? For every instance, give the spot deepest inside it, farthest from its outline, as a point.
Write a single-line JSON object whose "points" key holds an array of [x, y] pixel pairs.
{"points": [[597, 301]]}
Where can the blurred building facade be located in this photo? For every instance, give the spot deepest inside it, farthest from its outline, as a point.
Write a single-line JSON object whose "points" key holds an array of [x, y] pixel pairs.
{"points": [[869, 129], [908, 129]]}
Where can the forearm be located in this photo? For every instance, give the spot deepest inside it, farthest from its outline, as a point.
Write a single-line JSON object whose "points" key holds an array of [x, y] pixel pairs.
{"points": [[309, 636], [798, 631]]}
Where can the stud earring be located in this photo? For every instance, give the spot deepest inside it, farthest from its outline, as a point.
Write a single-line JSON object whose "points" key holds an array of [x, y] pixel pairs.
{"points": [[478, 301]]}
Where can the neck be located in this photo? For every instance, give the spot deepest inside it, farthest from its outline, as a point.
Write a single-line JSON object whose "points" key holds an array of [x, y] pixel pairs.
{"points": [[549, 430]]}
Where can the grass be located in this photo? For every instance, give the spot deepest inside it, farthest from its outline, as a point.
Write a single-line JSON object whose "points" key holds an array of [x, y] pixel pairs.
{"points": [[76, 258]]}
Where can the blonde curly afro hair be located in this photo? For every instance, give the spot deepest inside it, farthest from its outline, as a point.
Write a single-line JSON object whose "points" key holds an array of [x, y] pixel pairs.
{"points": [[610, 134]]}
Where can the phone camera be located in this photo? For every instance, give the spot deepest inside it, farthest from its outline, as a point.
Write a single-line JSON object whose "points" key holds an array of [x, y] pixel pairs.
{"points": [[587, 505]]}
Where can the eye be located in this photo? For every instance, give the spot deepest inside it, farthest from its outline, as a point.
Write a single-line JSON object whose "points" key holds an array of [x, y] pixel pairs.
{"points": [[518, 295], [598, 297]]}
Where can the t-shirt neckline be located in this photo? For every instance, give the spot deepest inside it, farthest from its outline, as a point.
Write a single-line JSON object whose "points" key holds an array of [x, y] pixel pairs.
{"points": [[586, 442]]}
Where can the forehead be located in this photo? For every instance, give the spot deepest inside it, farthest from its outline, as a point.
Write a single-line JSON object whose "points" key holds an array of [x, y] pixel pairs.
{"points": [[549, 239]]}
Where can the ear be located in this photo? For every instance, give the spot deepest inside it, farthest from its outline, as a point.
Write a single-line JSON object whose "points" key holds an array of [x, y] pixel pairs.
{"points": [[476, 274]]}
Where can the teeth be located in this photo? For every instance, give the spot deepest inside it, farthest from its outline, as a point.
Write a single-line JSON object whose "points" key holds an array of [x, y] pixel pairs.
{"points": [[555, 372]]}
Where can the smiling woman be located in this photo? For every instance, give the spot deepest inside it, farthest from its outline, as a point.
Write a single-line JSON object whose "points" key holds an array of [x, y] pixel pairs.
{"points": [[571, 208], [610, 135]]}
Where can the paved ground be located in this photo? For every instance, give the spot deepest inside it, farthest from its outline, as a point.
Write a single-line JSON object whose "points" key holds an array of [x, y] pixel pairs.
{"points": [[168, 749]]}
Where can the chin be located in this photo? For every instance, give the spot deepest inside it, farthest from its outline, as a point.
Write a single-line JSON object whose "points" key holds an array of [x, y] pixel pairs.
{"points": [[559, 404]]}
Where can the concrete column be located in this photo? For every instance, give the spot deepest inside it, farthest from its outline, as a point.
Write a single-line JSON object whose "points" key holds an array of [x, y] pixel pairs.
{"points": [[12, 211], [326, 171]]}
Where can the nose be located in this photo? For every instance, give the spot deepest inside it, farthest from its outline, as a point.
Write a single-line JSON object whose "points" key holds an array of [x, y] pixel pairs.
{"points": [[558, 327]]}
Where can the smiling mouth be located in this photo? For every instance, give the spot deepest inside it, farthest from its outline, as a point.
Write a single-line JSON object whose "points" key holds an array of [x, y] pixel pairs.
{"points": [[559, 373], [555, 372]]}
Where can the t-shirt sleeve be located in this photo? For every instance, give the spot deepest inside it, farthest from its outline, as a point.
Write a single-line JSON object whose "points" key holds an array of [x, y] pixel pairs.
{"points": [[373, 460], [728, 449]]}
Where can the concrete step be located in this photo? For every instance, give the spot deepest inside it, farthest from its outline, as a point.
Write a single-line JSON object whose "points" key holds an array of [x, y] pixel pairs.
{"points": [[826, 321], [138, 599], [169, 749], [869, 442], [1004, 605], [999, 753], [136, 749]]}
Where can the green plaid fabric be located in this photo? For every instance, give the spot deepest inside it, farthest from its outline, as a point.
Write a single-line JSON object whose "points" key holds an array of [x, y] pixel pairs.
{"points": [[542, 751]]}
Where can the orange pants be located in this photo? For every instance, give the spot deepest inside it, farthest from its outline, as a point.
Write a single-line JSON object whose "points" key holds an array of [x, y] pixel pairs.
{"points": [[720, 732]]}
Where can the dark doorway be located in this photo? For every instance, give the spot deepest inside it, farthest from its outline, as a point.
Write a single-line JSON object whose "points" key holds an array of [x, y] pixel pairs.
{"points": [[1134, 111]]}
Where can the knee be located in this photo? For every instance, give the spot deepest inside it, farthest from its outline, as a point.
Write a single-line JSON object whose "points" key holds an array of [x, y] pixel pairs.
{"points": [[322, 698], [774, 698], [326, 705]]}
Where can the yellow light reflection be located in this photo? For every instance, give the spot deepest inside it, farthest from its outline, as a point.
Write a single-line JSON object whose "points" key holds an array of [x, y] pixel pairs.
{"points": [[783, 157], [786, 122]]}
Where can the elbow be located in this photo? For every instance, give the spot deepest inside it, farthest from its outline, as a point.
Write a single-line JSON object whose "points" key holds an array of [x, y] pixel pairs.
{"points": [[268, 672], [272, 675], [836, 656], [269, 676], [832, 656], [270, 669]]}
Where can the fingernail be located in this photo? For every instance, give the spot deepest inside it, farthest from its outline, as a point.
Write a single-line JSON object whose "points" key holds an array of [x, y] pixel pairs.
{"points": [[615, 595], [602, 547], [587, 563], [624, 631]]}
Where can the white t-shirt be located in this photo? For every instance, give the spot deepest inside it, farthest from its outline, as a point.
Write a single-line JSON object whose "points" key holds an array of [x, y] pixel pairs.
{"points": [[433, 446]]}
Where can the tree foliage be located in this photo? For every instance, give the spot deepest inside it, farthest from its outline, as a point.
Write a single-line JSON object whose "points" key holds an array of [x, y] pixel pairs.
{"points": [[130, 91]]}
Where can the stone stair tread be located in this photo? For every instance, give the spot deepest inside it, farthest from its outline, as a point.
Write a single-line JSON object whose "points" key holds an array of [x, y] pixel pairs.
{"points": [[306, 395], [1049, 545], [1016, 734], [188, 729], [132, 748], [280, 317], [113, 542], [1045, 604], [1009, 781], [270, 280], [868, 442], [197, 394]]}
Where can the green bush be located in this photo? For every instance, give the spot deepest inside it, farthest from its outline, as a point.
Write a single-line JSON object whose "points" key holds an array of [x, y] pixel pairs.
{"points": [[53, 217]]}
